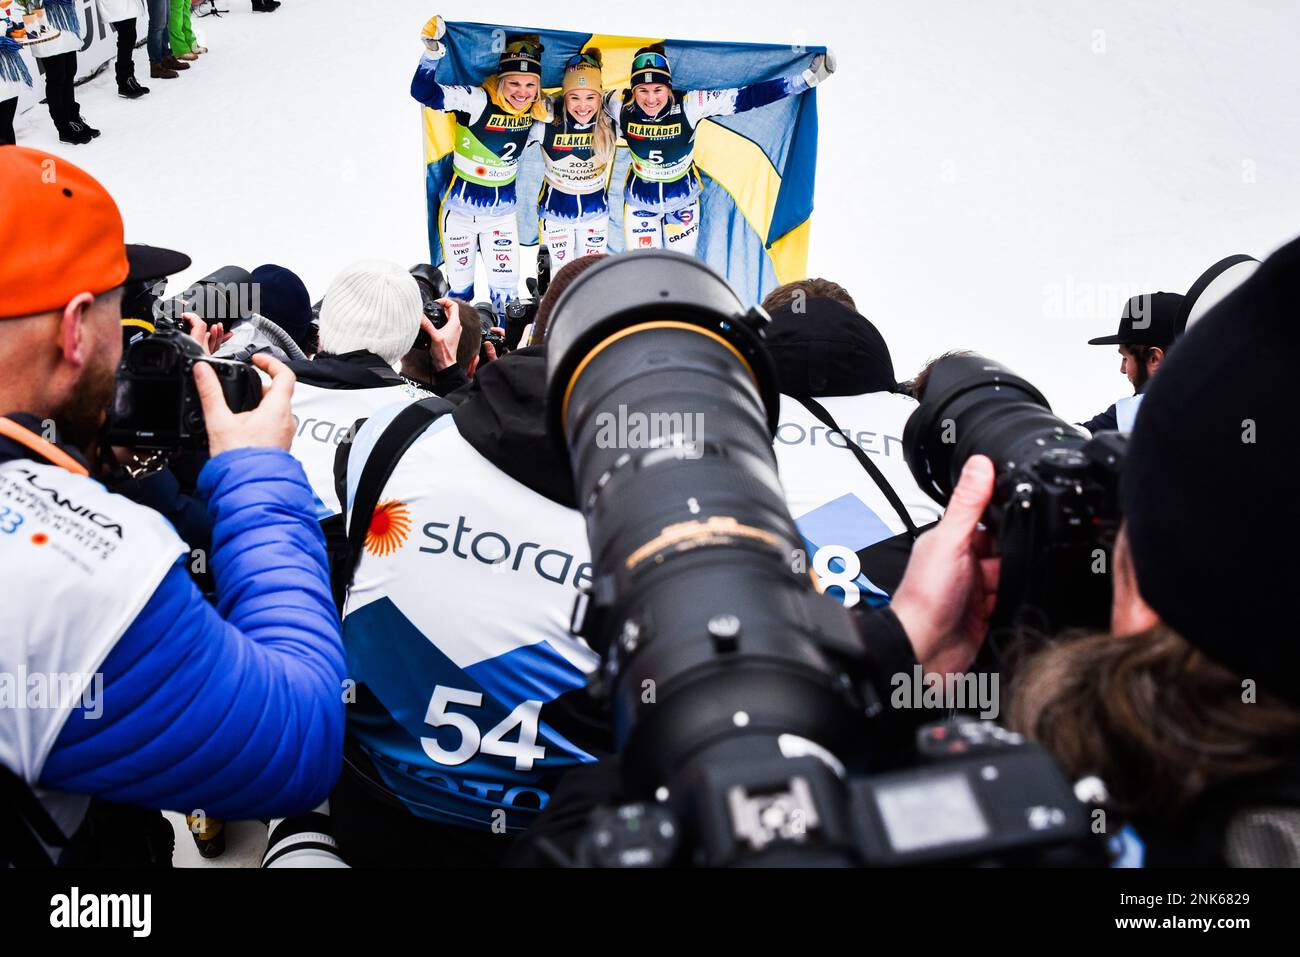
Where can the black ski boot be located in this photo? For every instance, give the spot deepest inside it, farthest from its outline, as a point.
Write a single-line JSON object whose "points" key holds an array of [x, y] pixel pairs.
{"points": [[81, 121], [131, 89], [73, 132]]}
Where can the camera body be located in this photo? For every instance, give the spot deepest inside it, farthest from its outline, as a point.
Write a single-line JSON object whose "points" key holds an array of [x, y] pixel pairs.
{"points": [[1055, 507], [156, 403], [977, 796], [432, 288]]}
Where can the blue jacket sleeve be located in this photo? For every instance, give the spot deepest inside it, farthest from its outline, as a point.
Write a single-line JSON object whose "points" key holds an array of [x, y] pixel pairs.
{"points": [[238, 710], [463, 99]]}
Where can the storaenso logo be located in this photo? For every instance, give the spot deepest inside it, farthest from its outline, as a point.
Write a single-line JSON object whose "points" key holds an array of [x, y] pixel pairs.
{"points": [[493, 548], [75, 910], [874, 443], [96, 518], [323, 431], [651, 430]]}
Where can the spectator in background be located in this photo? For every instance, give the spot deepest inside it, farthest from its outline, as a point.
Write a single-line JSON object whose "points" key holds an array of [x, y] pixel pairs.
{"points": [[59, 59], [162, 64], [1147, 329], [283, 298], [122, 15], [184, 44], [15, 78], [839, 444]]}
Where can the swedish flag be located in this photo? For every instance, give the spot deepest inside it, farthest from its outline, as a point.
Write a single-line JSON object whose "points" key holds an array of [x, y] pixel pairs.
{"points": [[758, 167]]}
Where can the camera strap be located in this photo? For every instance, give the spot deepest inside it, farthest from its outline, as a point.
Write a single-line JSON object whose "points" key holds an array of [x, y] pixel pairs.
{"points": [[45, 449], [882, 483], [389, 448]]}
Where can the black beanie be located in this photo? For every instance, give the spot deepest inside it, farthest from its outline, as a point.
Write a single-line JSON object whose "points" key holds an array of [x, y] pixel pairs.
{"points": [[828, 349], [1211, 488], [284, 300]]}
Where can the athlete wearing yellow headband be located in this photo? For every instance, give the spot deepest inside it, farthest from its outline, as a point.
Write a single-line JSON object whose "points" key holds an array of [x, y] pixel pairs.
{"points": [[578, 153]]}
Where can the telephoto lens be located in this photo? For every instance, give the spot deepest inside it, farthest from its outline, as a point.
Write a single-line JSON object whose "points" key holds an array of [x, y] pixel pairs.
{"points": [[720, 658], [1055, 507]]}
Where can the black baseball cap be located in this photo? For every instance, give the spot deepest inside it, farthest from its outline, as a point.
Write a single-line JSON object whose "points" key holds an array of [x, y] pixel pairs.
{"points": [[1150, 319], [153, 262]]}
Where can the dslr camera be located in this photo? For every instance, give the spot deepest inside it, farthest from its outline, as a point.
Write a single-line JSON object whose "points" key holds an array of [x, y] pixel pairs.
{"points": [[758, 745], [156, 404], [1055, 507]]}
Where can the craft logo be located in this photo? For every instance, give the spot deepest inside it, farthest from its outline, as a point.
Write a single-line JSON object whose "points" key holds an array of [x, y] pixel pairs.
{"points": [[389, 527], [499, 121], [654, 131], [571, 141]]}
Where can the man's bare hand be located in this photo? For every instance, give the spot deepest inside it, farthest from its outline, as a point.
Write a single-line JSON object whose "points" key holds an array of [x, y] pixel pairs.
{"points": [[270, 425], [209, 337], [444, 342], [948, 592]]}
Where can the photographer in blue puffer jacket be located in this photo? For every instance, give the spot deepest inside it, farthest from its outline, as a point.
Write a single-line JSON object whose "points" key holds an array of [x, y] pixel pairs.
{"points": [[125, 684]]}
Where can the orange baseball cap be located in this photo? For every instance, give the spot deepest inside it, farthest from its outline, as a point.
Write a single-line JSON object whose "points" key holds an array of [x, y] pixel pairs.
{"points": [[63, 236]]}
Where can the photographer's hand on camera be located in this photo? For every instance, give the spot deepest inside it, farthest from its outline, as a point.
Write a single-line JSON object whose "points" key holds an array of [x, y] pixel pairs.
{"points": [[443, 342], [270, 425], [947, 595], [209, 337]]}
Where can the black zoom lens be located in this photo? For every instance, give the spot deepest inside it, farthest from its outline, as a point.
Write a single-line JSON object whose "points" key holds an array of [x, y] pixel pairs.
{"points": [[712, 635], [974, 406], [1055, 507]]}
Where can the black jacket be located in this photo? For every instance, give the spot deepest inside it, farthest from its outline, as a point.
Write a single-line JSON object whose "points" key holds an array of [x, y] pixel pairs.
{"points": [[502, 414], [365, 370], [1250, 822]]}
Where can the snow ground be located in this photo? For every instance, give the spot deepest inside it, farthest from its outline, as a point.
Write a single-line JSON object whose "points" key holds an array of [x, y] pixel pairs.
{"points": [[997, 176]]}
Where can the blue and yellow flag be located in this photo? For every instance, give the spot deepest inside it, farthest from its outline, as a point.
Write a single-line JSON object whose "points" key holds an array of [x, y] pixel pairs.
{"points": [[758, 167]]}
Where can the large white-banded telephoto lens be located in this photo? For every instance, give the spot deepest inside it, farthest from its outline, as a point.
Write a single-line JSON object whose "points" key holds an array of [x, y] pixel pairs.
{"points": [[719, 652]]}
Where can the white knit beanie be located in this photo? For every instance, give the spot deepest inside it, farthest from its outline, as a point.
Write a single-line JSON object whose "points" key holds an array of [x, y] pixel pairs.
{"points": [[373, 305]]}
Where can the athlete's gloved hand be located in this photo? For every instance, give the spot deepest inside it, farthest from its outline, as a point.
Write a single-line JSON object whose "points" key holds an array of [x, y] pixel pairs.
{"points": [[823, 65], [434, 30]]}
